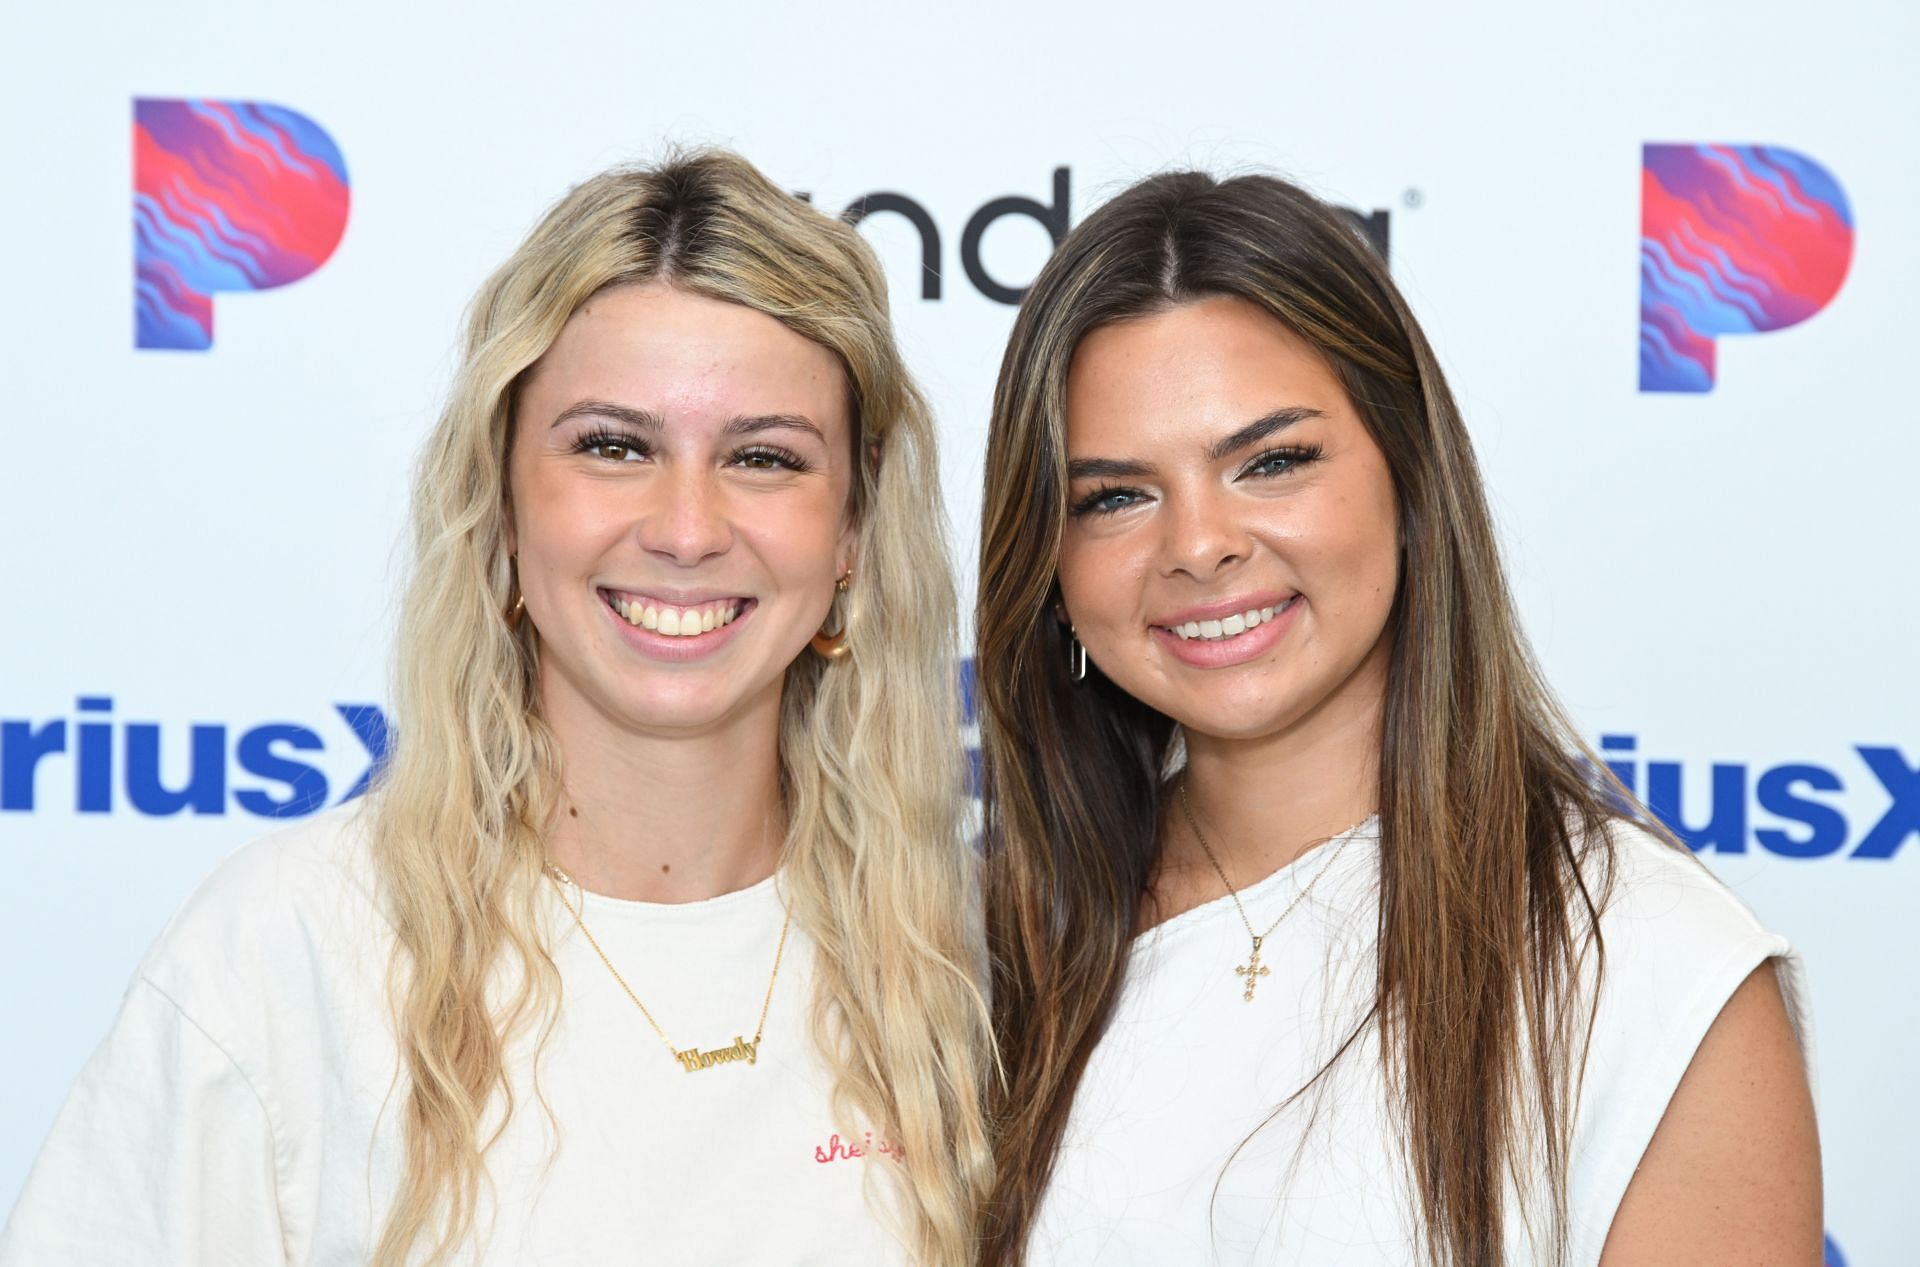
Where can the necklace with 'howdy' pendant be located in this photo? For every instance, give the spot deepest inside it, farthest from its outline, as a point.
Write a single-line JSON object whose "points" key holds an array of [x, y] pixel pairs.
{"points": [[691, 1059], [1253, 969]]}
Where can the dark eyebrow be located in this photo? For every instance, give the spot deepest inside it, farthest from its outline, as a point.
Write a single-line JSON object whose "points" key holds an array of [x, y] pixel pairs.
{"points": [[750, 424], [1259, 429], [1254, 432], [1107, 468], [642, 419]]}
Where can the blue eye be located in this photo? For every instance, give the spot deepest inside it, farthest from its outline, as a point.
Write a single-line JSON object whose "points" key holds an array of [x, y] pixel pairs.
{"points": [[1106, 501], [1277, 462]]}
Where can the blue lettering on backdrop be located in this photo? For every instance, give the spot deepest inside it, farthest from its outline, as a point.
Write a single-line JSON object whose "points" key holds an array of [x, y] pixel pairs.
{"points": [[264, 752], [306, 786], [1785, 792], [1902, 818], [1788, 810]]}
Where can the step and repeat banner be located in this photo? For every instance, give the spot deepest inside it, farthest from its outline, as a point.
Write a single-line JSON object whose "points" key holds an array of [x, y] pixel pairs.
{"points": [[1667, 252]]}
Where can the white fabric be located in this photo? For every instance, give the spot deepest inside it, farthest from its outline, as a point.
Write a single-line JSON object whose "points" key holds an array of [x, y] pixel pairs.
{"points": [[244, 1108], [1189, 1072]]}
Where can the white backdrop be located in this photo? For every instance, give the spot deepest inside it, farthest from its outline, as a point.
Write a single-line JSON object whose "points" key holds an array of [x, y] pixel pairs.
{"points": [[1723, 581]]}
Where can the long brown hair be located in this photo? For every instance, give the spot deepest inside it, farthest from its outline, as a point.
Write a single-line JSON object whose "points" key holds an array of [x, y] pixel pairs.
{"points": [[869, 756], [1487, 803]]}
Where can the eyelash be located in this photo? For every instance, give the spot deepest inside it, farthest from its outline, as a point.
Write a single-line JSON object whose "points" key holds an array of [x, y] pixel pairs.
{"points": [[781, 458], [611, 440], [1296, 456]]}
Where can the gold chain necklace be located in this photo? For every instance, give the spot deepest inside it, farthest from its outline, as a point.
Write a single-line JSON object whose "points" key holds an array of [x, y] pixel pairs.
{"points": [[1253, 969], [691, 1059]]}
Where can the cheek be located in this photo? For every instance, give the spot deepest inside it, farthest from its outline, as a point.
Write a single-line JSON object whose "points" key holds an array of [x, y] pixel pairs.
{"points": [[1359, 561], [799, 538], [1102, 580], [1079, 567], [559, 527]]}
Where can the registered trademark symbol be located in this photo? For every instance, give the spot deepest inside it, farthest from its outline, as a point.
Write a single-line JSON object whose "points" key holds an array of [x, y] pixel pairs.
{"points": [[1413, 197]]}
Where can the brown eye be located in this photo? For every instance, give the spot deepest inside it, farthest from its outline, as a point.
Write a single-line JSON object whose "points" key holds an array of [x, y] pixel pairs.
{"points": [[613, 450], [769, 459]]}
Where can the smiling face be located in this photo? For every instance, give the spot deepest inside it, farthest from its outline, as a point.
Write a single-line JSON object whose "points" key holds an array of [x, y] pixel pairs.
{"points": [[1231, 549], [680, 480]]}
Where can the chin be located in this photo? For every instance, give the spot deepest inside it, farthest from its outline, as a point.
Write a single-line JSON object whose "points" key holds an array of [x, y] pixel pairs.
{"points": [[1236, 714], [650, 698]]}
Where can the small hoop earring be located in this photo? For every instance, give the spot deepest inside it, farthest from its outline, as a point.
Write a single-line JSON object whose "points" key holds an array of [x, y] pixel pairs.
{"points": [[832, 646], [1076, 657], [517, 612]]}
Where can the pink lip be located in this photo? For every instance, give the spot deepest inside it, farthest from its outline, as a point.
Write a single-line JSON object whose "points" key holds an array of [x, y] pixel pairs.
{"points": [[676, 650], [1226, 652], [675, 597]]}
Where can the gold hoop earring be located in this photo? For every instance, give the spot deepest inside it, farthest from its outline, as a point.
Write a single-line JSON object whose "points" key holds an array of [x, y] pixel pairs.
{"points": [[831, 646], [517, 612]]}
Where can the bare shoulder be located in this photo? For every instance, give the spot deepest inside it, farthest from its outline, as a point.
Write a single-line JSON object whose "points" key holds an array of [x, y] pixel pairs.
{"points": [[1732, 1175]]}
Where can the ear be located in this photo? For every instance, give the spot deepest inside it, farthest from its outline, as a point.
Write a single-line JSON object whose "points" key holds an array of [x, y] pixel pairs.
{"points": [[846, 550]]}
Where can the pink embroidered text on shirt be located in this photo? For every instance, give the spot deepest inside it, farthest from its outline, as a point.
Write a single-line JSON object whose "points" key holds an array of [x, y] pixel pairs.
{"points": [[837, 1150]]}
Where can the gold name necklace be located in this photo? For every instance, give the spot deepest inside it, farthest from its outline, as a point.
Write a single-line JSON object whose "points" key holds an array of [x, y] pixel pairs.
{"points": [[691, 1059], [1253, 969]]}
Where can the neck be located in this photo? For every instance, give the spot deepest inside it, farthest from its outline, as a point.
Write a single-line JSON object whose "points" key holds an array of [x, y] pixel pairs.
{"points": [[1265, 801], [668, 817]]}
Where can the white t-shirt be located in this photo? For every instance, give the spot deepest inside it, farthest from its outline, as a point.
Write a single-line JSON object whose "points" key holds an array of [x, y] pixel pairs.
{"points": [[1189, 1071], [245, 1109]]}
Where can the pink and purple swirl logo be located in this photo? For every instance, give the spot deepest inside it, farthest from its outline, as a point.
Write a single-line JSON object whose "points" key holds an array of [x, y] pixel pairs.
{"points": [[1734, 239], [227, 196]]}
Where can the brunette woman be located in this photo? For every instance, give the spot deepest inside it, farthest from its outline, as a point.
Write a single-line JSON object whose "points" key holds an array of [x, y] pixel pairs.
{"points": [[1315, 937], [652, 945]]}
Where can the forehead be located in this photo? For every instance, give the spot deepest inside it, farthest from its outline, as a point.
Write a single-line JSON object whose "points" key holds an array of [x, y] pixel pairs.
{"points": [[686, 357], [1200, 368]]}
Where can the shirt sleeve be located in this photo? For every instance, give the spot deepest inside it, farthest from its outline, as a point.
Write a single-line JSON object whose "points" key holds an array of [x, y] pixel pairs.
{"points": [[1678, 944], [163, 1156]]}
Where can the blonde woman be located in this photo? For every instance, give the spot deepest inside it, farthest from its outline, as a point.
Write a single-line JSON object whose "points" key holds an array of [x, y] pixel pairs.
{"points": [[650, 946]]}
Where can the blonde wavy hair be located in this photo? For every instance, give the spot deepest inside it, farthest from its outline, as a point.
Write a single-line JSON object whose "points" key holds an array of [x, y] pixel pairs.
{"points": [[875, 866]]}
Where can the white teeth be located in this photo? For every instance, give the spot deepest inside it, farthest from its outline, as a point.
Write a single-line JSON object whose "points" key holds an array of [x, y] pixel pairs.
{"points": [[676, 622], [1226, 627]]}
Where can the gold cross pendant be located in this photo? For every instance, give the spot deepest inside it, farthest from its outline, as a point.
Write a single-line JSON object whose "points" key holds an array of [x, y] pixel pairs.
{"points": [[1252, 970]]}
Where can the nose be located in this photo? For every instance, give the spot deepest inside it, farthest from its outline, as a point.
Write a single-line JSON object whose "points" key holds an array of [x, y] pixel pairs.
{"points": [[685, 521], [1202, 536]]}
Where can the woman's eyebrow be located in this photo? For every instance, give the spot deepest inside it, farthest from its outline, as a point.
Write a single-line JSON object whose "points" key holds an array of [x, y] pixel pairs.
{"points": [[1260, 428], [1108, 468], [750, 424], [641, 419]]}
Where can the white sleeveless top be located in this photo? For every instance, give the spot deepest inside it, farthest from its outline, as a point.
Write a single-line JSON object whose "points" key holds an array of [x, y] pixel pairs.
{"points": [[245, 1108], [1173, 1153]]}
